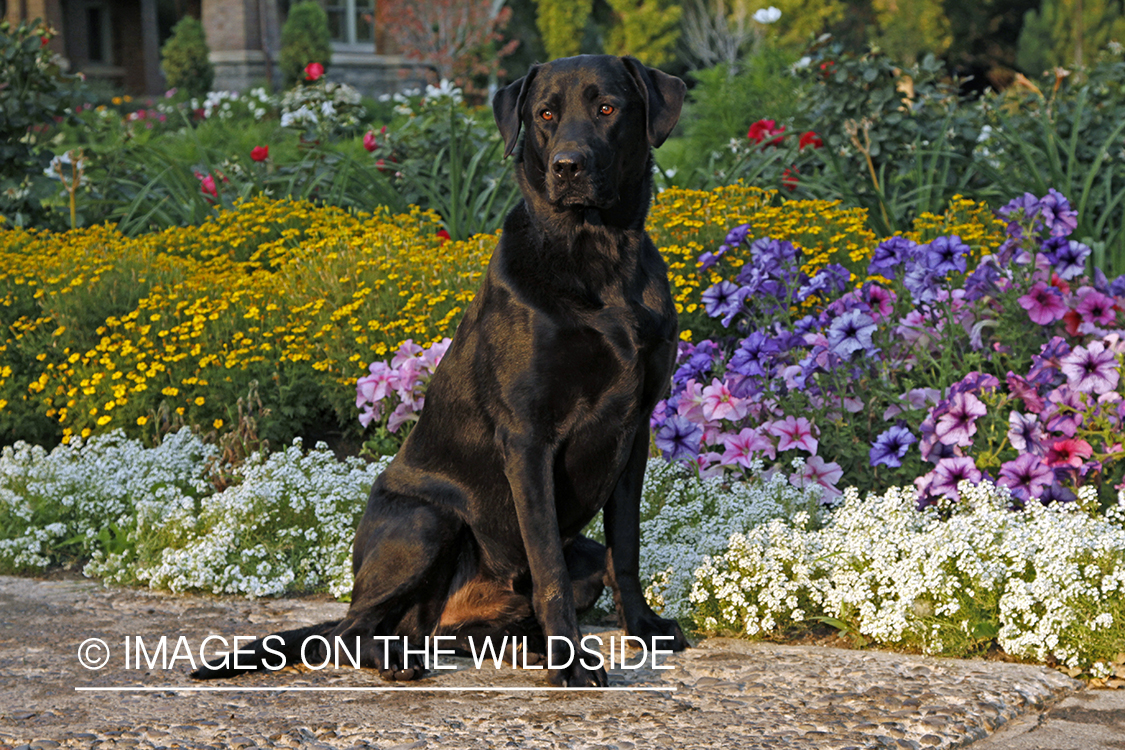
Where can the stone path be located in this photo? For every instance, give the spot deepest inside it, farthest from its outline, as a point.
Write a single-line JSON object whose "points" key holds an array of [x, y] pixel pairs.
{"points": [[723, 693]]}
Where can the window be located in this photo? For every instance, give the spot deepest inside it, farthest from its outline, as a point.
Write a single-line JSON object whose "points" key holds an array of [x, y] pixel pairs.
{"points": [[99, 38], [351, 23]]}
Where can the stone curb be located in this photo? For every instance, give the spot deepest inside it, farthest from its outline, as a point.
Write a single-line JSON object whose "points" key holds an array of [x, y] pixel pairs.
{"points": [[723, 693]]}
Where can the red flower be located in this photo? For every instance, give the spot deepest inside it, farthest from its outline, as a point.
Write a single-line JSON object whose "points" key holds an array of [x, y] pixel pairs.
{"points": [[827, 68], [380, 165], [444, 235], [1072, 320], [1068, 452], [43, 41], [809, 139], [260, 153], [369, 141], [313, 71], [763, 129], [207, 185], [789, 177]]}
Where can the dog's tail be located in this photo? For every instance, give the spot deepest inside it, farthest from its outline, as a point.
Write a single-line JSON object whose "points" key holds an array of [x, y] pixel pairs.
{"points": [[271, 652]]}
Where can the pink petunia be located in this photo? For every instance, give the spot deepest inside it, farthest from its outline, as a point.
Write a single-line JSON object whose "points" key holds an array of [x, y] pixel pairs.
{"points": [[718, 403], [376, 385], [1095, 308], [742, 447], [691, 402], [817, 471], [794, 432], [1044, 304]]}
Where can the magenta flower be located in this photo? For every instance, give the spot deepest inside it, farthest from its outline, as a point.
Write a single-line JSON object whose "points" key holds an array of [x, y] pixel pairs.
{"points": [[718, 403], [404, 412], [1026, 476], [1068, 452], [793, 433], [958, 425], [817, 471], [1092, 369], [1095, 307], [407, 350], [742, 447], [1044, 303], [950, 472]]}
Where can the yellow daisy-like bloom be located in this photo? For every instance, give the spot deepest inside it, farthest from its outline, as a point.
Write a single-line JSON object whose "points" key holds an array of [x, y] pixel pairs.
{"points": [[296, 296]]}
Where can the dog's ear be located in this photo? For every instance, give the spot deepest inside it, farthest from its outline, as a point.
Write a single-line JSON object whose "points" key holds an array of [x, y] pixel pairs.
{"points": [[664, 96], [507, 108]]}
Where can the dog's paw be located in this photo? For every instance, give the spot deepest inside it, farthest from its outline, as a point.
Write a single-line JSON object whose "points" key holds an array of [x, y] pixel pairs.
{"points": [[570, 671], [399, 668], [671, 637], [576, 675]]}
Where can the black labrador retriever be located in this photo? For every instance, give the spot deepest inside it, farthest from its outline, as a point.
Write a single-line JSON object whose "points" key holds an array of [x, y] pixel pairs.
{"points": [[537, 416]]}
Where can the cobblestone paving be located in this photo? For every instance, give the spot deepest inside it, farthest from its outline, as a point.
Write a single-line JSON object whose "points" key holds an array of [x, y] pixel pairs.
{"points": [[723, 693]]}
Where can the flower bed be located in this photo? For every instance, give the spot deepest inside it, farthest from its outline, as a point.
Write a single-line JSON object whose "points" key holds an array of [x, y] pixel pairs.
{"points": [[104, 331], [754, 559]]}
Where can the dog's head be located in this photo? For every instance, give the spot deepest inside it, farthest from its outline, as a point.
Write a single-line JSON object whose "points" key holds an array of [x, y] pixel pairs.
{"points": [[589, 124]]}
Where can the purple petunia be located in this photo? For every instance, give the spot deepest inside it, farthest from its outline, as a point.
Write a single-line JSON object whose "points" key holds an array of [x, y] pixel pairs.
{"points": [[1069, 259], [724, 299], [679, 438], [958, 424], [950, 472], [754, 356], [889, 255], [1095, 308], [1026, 476], [1091, 369], [891, 446], [1056, 214], [1025, 433], [947, 254], [851, 333]]}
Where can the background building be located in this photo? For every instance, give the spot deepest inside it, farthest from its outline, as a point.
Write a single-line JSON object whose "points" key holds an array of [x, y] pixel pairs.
{"points": [[119, 41]]}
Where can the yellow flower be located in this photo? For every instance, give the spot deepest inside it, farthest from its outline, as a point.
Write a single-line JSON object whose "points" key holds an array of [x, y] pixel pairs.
{"points": [[199, 401], [217, 424], [142, 421]]}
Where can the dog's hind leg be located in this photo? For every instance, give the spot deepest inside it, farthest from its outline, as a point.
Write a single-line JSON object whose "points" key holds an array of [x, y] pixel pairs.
{"points": [[405, 557]]}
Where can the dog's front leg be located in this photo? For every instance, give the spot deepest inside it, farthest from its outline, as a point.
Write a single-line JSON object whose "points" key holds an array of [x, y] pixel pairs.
{"points": [[528, 467], [623, 546]]}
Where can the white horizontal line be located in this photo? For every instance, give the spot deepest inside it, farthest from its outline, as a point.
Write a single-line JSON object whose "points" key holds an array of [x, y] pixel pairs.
{"points": [[175, 688]]}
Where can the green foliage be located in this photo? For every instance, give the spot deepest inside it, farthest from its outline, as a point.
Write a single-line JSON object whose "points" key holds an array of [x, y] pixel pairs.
{"points": [[560, 24], [647, 30], [908, 34], [721, 106], [801, 20], [185, 59], [449, 159], [1069, 141], [33, 93], [1066, 33], [304, 39]]}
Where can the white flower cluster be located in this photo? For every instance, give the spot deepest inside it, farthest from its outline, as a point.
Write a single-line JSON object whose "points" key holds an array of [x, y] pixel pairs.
{"points": [[406, 100], [92, 495], [152, 515], [686, 519], [326, 106], [1046, 582], [227, 105]]}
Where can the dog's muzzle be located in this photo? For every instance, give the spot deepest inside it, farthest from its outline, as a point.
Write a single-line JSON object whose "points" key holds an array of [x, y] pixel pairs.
{"points": [[570, 180]]}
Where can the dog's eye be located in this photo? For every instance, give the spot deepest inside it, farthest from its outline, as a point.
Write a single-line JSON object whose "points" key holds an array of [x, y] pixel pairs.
{"points": [[606, 109], [547, 114]]}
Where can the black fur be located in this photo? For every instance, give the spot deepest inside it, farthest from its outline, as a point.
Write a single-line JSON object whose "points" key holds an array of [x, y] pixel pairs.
{"points": [[537, 416]]}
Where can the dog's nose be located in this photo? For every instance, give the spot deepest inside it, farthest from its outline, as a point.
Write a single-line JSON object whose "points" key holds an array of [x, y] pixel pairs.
{"points": [[568, 164]]}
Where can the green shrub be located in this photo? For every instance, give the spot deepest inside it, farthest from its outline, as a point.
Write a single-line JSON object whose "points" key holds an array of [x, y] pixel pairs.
{"points": [[304, 39], [33, 93], [185, 60]]}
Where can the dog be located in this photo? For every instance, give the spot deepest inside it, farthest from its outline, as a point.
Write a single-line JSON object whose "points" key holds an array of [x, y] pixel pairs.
{"points": [[538, 415]]}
